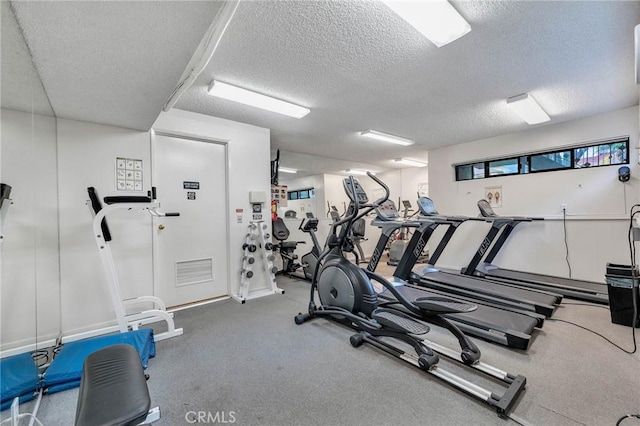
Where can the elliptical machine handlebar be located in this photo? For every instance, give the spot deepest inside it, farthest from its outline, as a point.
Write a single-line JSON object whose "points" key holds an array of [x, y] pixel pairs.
{"points": [[369, 206], [379, 201]]}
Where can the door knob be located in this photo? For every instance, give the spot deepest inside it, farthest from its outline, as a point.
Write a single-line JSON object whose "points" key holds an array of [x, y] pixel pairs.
{"points": [[161, 227]]}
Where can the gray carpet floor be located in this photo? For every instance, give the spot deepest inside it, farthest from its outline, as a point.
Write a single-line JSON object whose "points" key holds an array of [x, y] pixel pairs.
{"points": [[251, 365]]}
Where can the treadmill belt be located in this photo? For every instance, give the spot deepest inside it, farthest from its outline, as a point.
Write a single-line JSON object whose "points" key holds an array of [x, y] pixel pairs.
{"points": [[556, 283], [484, 314], [481, 289]]}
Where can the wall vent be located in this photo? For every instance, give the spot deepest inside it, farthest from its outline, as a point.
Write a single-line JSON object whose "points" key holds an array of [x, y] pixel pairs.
{"points": [[195, 271]]}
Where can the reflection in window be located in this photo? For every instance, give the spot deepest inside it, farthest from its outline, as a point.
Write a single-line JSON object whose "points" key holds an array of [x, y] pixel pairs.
{"points": [[619, 154], [551, 161], [478, 171], [503, 167], [464, 172], [601, 155], [470, 171]]}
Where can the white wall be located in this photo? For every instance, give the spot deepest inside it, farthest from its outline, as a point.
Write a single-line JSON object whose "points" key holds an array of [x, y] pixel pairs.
{"points": [[301, 207], [597, 202], [50, 176], [86, 157], [29, 292], [248, 150]]}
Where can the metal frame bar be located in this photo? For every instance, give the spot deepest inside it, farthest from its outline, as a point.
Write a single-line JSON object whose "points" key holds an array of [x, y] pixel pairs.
{"points": [[126, 321]]}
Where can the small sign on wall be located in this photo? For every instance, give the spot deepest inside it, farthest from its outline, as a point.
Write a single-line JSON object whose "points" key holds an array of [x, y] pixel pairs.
{"points": [[128, 174], [423, 189], [493, 194], [191, 195], [190, 185]]}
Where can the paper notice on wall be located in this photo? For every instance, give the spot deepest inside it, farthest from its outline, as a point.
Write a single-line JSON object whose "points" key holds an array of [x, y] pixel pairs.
{"points": [[128, 174], [493, 194], [423, 190]]}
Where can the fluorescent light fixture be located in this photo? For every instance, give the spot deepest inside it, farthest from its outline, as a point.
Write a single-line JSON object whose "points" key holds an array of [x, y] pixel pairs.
{"points": [[286, 170], [437, 20], [357, 172], [247, 97], [528, 109], [385, 137], [410, 162]]}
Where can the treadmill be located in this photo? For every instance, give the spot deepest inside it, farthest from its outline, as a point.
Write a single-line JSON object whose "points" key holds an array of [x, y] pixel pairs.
{"points": [[509, 296], [489, 322], [590, 291]]}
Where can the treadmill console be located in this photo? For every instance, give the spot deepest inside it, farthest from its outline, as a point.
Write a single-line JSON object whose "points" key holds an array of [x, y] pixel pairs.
{"points": [[359, 192], [387, 211], [426, 206], [485, 209]]}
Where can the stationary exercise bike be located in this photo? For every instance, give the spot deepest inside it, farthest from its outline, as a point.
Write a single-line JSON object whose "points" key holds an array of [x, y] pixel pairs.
{"points": [[347, 294], [287, 249], [309, 225]]}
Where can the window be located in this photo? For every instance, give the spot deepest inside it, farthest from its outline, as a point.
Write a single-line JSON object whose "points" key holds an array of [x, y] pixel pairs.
{"points": [[551, 161], [470, 171], [301, 194], [503, 167], [586, 156]]}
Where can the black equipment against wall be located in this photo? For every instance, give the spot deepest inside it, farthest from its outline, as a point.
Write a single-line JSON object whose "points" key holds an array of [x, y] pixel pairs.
{"points": [[568, 287], [347, 296]]}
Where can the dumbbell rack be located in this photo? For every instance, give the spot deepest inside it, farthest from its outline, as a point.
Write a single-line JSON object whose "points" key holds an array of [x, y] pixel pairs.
{"points": [[257, 240]]}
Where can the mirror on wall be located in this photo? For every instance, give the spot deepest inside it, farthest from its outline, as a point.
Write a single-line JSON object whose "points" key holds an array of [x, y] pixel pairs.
{"points": [[30, 284]]}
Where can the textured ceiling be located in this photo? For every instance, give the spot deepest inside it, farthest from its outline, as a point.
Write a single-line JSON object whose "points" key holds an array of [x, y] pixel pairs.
{"points": [[112, 63], [21, 86], [356, 64], [359, 66]]}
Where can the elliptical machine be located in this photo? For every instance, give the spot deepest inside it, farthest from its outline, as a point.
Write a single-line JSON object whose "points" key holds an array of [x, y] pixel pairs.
{"points": [[347, 296], [345, 287]]}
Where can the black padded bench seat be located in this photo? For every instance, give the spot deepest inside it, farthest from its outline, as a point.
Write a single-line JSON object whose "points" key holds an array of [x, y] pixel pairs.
{"points": [[113, 388]]}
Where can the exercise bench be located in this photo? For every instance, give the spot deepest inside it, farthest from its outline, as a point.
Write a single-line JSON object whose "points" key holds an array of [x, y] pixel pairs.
{"points": [[113, 389]]}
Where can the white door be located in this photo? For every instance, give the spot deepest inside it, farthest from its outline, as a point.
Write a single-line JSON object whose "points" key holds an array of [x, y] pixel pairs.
{"points": [[190, 251]]}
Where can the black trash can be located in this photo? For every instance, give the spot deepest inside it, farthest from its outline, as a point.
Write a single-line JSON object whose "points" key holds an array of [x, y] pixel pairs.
{"points": [[622, 286]]}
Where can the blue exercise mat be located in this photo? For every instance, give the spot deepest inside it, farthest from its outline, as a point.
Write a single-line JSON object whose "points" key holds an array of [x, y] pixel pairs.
{"points": [[66, 369], [18, 378]]}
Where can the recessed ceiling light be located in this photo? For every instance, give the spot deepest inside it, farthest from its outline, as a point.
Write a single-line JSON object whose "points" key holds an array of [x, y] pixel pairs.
{"points": [[410, 162], [286, 170], [247, 97], [528, 109], [385, 137], [437, 20]]}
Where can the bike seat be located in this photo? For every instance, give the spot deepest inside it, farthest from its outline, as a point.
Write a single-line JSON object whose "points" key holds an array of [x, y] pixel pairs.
{"points": [[443, 305], [288, 244]]}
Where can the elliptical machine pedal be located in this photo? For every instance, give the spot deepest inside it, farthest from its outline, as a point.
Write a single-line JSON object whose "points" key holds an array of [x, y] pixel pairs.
{"points": [[397, 321]]}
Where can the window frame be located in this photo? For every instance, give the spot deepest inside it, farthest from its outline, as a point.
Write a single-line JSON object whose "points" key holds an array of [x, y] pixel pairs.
{"points": [[527, 157]]}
